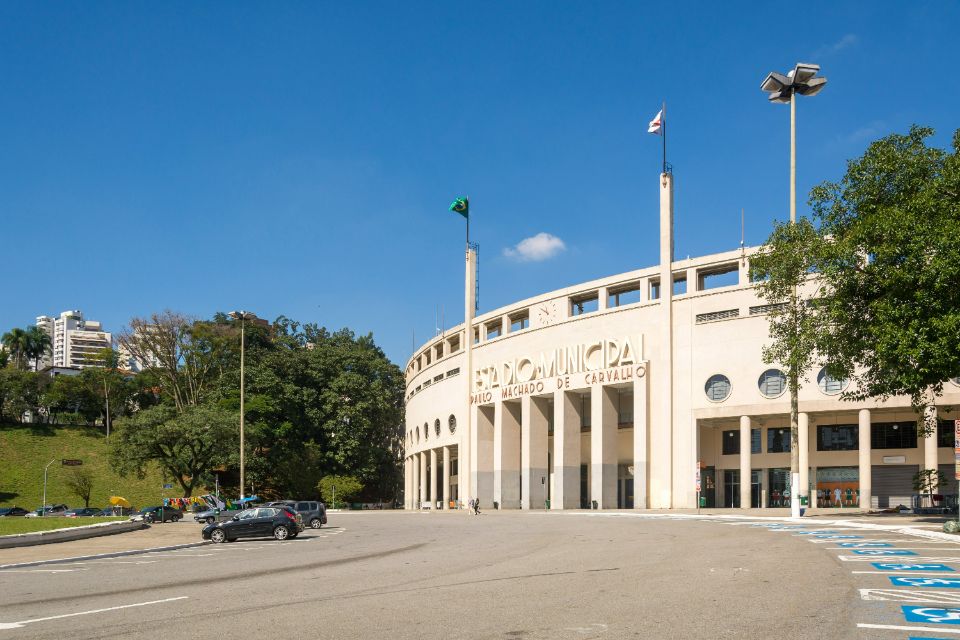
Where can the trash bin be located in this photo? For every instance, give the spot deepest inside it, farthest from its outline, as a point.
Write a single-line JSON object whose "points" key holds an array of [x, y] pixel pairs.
{"points": [[803, 501], [547, 503], [595, 505], [703, 501]]}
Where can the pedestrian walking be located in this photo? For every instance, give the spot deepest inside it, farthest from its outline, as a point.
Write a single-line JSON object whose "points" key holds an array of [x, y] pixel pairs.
{"points": [[476, 507]]}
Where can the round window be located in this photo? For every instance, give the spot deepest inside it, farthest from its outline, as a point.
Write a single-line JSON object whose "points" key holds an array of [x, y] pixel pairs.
{"points": [[772, 383], [717, 387], [436, 427], [829, 385], [426, 431], [452, 423]]}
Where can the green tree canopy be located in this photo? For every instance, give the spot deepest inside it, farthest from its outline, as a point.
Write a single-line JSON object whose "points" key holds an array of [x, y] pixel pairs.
{"points": [[890, 262]]}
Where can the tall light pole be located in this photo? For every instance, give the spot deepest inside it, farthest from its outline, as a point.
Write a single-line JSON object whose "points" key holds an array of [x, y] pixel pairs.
{"points": [[242, 316], [43, 507], [783, 89]]}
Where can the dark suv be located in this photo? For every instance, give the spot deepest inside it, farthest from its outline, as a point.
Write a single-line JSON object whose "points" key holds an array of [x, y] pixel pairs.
{"points": [[254, 523], [314, 513]]}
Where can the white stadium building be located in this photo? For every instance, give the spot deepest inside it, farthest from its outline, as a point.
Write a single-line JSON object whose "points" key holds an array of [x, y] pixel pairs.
{"points": [[608, 394]]}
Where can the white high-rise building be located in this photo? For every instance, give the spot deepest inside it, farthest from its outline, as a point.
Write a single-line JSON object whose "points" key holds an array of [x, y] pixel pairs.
{"points": [[75, 341]]}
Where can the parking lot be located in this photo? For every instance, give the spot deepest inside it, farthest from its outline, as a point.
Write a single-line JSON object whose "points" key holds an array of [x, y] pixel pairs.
{"points": [[507, 575]]}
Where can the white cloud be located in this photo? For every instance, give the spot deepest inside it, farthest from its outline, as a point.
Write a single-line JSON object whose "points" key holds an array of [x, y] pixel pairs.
{"points": [[542, 246], [827, 50]]}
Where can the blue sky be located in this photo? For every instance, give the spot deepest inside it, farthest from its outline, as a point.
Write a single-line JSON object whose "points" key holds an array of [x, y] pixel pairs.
{"points": [[299, 158]]}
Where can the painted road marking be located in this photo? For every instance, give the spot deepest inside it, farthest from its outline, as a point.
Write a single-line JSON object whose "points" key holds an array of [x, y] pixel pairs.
{"points": [[918, 559], [899, 573], [943, 583], [837, 537], [910, 595], [811, 533], [896, 566], [931, 615], [863, 544], [17, 625], [883, 552], [900, 627]]}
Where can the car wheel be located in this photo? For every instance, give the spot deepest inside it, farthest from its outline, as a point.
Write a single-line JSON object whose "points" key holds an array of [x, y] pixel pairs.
{"points": [[218, 536], [211, 520], [315, 523], [175, 519], [281, 533]]}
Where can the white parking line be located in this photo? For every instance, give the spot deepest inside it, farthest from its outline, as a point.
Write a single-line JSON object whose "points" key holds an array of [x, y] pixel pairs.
{"points": [[22, 623], [935, 574], [894, 558], [910, 595], [897, 627]]}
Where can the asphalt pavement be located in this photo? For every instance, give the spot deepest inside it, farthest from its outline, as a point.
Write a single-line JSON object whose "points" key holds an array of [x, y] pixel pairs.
{"points": [[498, 575]]}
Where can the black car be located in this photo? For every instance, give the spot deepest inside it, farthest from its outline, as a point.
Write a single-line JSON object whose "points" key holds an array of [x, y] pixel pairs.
{"points": [[116, 511], [314, 513], [11, 512], [161, 514], [254, 523], [82, 512]]}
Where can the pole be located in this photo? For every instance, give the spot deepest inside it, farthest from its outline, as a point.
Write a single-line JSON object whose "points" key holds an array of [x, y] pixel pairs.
{"points": [[242, 345], [794, 381], [664, 125], [43, 506], [334, 496]]}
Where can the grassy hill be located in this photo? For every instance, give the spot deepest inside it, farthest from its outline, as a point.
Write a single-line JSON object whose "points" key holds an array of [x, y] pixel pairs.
{"points": [[25, 449]]}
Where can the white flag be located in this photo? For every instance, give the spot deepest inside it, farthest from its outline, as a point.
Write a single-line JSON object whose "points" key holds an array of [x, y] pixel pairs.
{"points": [[656, 123]]}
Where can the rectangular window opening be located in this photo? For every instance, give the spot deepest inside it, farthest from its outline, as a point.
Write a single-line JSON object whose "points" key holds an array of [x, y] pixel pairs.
{"points": [[519, 321], [628, 294], [720, 276], [655, 289], [493, 330], [453, 344], [838, 437], [582, 305], [679, 284]]}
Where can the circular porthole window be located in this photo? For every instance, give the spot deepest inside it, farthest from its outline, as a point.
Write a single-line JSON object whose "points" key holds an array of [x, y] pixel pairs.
{"points": [[452, 423], [436, 427], [772, 383], [829, 385], [426, 431], [717, 387]]}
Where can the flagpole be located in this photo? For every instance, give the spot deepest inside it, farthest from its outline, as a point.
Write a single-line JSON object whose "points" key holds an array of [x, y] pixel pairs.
{"points": [[664, 125]]}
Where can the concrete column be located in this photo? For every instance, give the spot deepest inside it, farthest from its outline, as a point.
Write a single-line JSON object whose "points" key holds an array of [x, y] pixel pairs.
{"points": [[764, 488], [813, 489], [566, 451], [482, 456], [866, 479], [506, 454], [661, 427], [640, 429], [744, 462], [533, 451], [406, 482], [803, 441], [603, 447], [432, 488], [602, 298], [423, 478], [446, 477]]}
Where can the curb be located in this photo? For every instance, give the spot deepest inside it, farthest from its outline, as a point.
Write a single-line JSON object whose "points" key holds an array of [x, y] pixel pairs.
{"points": [[114, 554], [68, 534]]}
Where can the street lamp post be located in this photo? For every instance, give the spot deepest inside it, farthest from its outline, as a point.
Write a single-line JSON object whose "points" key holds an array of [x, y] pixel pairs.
{"points": [[781, 88], [43, 506], [242, 316]]}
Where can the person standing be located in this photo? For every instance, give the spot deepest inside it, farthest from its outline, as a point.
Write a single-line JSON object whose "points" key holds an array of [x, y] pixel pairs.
{"points": [[476, 507]]}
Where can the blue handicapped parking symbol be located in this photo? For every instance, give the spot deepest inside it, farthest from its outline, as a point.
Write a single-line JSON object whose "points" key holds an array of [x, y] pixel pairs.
{"points": [[917, 581], [863, 545], [931, 614], [883, 552], [897, 566]]}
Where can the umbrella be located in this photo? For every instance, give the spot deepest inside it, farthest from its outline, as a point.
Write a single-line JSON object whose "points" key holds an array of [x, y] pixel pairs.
{"points": [[117, 501]]}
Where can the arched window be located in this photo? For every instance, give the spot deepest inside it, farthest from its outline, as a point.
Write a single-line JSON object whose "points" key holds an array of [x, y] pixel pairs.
{"points": [[772, 383], [452, 423], [418, 434], [718, 387], [436, 427], [829, 385], [426, 431]]}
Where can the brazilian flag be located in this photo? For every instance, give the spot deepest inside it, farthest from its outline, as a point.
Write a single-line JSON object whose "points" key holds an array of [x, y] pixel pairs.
{"points": [[461, 206]]}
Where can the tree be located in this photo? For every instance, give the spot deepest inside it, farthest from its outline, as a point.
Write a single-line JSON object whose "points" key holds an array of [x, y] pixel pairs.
{"points": [[782, 272], [187, 445], [104, 379], [189, 355], [80, 482], [39, 345], [345, 487], [927, 481], [890, 261], [21, 392], [17, 343]]}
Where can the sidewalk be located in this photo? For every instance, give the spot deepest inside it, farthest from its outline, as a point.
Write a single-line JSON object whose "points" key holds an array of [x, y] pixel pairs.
{"points": [[158, 535]]}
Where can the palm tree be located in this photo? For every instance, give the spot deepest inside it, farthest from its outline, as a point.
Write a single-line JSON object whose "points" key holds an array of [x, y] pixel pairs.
{"points": [[39, 344], [17, 343]]}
